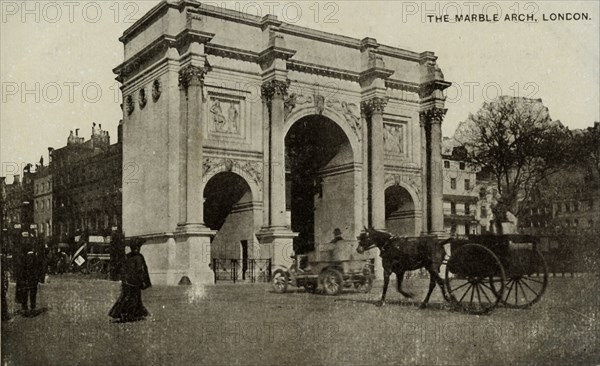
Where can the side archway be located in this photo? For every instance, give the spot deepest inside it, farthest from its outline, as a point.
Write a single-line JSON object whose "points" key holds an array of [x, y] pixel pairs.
{"points": [[401, 211], [229, 209]]}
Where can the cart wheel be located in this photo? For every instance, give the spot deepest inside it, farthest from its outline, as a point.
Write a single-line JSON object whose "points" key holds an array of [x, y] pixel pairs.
{"points": [[311, 287], [332, 281], [524, 290], [474, 279], [364, 286], [280, 280]]}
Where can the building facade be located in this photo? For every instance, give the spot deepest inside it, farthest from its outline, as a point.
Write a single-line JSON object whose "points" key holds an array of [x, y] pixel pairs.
{"points": [[248, 129], [569, 203], [86, 185], [461, 195], [18, 205], [42, 200]]}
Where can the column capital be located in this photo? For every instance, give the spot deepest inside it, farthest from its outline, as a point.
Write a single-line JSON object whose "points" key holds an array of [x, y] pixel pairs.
{"points": [[373, 105], [433, 115], [274, 87], [191, 75]]}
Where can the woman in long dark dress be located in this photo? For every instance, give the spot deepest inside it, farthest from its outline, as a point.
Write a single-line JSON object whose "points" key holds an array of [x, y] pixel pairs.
{"points": [[129, 306]]}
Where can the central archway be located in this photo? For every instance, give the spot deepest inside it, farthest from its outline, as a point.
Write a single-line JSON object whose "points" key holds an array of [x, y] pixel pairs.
{"points": [[320, 182]]}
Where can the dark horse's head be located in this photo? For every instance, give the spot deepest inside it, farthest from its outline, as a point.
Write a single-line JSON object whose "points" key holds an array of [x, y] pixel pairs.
{"points": [[371, 238]]}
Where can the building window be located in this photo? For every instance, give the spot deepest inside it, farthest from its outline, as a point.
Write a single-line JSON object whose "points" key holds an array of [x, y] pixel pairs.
{"points": [[462, 166], [453, 208], [483, 212], [452, 183], [467, 184], [467, 210], [446, 164]]}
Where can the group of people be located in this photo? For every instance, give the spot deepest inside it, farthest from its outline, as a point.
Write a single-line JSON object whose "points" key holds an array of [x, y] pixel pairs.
{"points": [[29, 270]]}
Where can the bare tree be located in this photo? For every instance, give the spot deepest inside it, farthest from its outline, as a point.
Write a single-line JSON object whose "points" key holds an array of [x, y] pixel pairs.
{"points": [[587, 149], [516, 140]]}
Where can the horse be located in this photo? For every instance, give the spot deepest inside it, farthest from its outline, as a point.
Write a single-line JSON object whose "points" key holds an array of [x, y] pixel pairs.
{"points": [[405, 254]]}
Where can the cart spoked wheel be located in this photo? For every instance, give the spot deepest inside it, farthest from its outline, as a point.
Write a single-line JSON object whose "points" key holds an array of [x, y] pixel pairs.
{"points": [[525, 289], [332, 281], [474, 279], [311, 287], [279, 281], [364, 286]]}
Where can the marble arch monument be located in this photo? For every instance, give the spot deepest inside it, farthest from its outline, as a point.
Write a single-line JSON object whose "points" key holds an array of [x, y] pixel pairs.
{"points": [[209, 94]]}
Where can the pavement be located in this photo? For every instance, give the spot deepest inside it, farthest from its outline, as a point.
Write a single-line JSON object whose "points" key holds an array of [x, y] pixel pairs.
{"points": [[247, 324]]}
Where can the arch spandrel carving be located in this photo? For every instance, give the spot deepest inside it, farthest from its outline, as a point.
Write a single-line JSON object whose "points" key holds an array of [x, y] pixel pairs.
{"points": [[250, 171], [338, 119]]}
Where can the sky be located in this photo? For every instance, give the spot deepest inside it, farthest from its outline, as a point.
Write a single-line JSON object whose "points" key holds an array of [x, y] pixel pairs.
{"points": [[56, 58]]}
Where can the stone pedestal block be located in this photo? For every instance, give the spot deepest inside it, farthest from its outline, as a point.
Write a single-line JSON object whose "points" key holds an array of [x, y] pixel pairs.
{"points": [[172, 257]]}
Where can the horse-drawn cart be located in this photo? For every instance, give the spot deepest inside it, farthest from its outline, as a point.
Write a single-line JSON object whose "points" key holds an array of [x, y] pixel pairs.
{"points": [[481, 271], [485, 270]]}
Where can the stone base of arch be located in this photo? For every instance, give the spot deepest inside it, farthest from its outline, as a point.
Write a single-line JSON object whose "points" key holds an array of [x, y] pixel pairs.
{"points": [[172, 256], [277, 244], [404, 222]]}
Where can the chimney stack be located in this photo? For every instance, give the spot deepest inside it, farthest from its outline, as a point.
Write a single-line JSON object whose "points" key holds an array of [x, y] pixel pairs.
{"points": [[50, 151], [77, 132]]}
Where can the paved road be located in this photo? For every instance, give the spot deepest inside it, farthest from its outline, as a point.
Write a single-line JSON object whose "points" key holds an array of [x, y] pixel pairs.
{"points": [[247, 324]]}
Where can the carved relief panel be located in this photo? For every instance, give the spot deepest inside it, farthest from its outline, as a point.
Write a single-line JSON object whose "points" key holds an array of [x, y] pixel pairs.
{"points": [[395, 141], [225, 117]]}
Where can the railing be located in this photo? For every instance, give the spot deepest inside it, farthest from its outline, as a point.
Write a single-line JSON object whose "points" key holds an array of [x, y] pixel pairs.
{"points": [[234, 270]]}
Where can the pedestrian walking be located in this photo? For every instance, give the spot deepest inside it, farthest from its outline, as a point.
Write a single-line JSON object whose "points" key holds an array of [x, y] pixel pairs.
{"points": [[135, 278], [5, 314], [29, 273]]}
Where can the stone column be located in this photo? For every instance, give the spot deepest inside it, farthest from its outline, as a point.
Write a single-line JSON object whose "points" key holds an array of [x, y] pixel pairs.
{"points": [[374, 108], [424, 183], [274, 92], [276, 237], [191, 80], [266, 222], [433, 118], [188, 250]]}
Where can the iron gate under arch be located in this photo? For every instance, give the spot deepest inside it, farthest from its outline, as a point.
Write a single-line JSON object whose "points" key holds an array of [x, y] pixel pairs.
{"points": [[234, 270]]}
